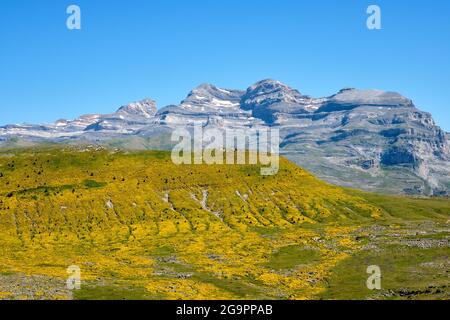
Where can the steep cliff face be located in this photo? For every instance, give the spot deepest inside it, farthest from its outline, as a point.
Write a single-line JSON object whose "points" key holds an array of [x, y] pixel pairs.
{"points": [[368, 139]]}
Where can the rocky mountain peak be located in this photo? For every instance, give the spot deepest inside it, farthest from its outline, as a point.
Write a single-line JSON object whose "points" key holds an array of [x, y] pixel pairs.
{"points": [[268, 85], [268, 92], [350, 98], [372, 97], [208, 95], [145, 108]]}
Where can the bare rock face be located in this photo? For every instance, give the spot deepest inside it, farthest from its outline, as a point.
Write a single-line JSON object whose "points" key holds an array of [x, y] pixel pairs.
{"points": [[269, 92], [270, 100], [209, 96], [347, 99], [368, 139], [145, 108]]}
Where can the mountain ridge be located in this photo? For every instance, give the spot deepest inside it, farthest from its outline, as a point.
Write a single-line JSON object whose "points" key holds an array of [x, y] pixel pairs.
{"points": [[371, 137]]}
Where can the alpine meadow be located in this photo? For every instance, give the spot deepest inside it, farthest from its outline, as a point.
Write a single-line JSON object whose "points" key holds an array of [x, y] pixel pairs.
{"points": [[140, 227]]}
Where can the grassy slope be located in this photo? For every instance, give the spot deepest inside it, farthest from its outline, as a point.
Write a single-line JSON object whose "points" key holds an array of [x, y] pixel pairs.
{"points": [[140, 227]]}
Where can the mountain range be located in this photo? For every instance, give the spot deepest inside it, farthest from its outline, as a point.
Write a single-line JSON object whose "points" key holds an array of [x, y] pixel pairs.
{"points": [[368, 139]]}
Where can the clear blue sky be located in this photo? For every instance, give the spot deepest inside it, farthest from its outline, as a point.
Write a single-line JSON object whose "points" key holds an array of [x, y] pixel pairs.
{"points": [[129, 50]]}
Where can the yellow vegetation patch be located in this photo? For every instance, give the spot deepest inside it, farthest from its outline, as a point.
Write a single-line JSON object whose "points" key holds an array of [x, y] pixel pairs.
{"points": [[180, 232]]}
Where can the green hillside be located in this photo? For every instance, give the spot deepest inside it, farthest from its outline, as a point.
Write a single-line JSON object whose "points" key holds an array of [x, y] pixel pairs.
{"points": [[140, 227]]}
